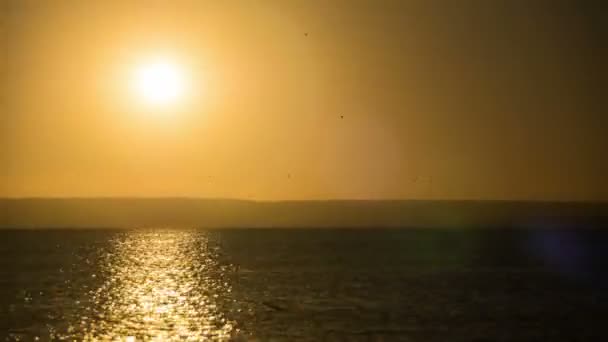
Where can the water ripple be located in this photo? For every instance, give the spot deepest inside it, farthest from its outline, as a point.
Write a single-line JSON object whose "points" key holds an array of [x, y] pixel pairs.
{"points": [[156, 285]]}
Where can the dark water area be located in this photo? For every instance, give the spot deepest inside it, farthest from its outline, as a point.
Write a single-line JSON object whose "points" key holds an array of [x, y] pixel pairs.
{"points": [[305, 284]]}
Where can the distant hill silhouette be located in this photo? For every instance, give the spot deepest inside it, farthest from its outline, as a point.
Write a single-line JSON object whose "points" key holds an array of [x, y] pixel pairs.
{"points": [[219, 213]]}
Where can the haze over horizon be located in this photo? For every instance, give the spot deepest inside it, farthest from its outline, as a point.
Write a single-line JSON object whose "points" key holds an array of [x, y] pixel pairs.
{"points": [[304, 100]]}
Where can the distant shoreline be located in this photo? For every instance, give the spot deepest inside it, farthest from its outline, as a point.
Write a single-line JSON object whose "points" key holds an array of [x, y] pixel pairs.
{"points": [[195, 198], [123, 212]]}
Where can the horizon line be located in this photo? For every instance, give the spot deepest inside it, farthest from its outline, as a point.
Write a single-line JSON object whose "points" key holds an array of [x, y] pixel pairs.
{"points": [[201, 198]]}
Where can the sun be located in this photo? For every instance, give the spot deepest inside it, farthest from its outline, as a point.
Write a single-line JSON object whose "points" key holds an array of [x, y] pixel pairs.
{"points": [[159, 82]]}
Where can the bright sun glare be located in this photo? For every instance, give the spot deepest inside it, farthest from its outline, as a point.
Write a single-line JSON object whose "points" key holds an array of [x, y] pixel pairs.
{"points": [[159, 82]]}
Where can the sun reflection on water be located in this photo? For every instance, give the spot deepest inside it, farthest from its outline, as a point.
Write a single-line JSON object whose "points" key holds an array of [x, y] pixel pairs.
{"points": [[159, 286]]}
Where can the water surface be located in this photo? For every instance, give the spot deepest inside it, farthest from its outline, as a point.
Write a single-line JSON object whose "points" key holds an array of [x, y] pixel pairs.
{"points": [[409, 285]]}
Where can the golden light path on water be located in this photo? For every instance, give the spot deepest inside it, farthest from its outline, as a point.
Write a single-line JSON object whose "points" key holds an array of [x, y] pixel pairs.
{"points": [[159, 286]]}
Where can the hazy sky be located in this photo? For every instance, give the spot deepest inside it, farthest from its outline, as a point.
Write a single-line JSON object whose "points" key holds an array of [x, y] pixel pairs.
{"points": [[440, 99]]}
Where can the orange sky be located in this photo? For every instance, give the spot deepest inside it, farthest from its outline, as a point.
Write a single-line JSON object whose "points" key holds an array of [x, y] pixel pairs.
{"points": [[467, 100]]}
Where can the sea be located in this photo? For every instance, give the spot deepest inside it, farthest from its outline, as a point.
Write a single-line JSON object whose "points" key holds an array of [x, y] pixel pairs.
{"points": [[170, 284]]}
